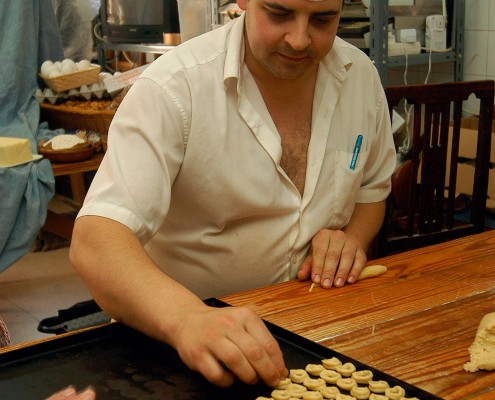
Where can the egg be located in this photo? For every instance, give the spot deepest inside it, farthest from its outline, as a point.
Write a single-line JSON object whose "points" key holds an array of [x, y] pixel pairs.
{"points": [[83, 64], [54, 73], [67, 68], [45, 67], [58, 64]]}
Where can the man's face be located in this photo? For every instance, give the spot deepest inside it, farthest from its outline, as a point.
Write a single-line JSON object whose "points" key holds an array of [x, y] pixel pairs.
{"points": [[288, 38]]}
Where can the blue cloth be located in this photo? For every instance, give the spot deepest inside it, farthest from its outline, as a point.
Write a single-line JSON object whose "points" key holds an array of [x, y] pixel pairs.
{"points": [[29, 35]]}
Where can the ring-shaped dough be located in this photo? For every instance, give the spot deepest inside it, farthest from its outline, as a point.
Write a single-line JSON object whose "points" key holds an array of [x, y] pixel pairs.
{"points": [[330, 376], [298, 375], [297, 390], [378, 386], [360, 392], [314, 384], [376, 396], [283, 384], [395, 393], [331, 363], [281, 394], [346, 383], [346, 369], [312, 395], [329, 392], [363, 376], [342, 396], [314, 369]]}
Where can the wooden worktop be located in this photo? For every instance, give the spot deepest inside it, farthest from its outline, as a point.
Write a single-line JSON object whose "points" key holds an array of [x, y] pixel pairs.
{"points": [[416, 322]]}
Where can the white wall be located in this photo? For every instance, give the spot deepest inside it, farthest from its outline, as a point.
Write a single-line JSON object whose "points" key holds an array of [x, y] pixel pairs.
{"points": [[479, 52]]}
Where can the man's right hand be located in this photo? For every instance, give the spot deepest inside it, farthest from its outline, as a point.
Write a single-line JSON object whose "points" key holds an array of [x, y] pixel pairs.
{"points": [[221, 343]]}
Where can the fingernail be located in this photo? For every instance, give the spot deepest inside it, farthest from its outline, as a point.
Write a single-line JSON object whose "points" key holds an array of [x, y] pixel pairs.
{"points": [[88, 393], [339, 282], [327, 283], [351, 279], [68, 391], [317, 279]]}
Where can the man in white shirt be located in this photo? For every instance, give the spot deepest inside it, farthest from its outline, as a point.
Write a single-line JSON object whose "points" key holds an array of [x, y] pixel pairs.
{"points": [[232, 163]]}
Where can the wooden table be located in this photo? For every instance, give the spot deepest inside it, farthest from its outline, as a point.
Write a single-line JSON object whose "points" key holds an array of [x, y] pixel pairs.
{"points": [[416, 322], [62, 225], [76, 170]]}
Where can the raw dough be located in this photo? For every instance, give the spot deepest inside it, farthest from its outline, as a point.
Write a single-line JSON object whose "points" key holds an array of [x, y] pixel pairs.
{"points": [[370, 271], [482, 351], [331, 363], [363, 376], [378, 386]]}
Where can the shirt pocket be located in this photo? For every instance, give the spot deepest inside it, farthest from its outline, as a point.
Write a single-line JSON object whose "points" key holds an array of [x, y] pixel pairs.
{"points": [[347, 184]]}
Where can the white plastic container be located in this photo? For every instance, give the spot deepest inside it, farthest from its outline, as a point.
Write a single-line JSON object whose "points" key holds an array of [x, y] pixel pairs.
{"points": [[194, 18]]}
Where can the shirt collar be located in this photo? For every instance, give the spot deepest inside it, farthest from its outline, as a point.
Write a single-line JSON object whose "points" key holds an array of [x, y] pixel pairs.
{"points": [[235, 52]]}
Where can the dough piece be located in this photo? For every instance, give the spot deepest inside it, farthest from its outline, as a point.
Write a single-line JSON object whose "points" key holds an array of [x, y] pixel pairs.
{"points": [[314, 384], [346, 369], [312, 395], [482, 351], [363, 376], [395, 393], [298, 375], [331, 363], [283, 384], [314, 369], [378, 386], [346, 383], [296, 390], [278, 394], [374, 396], [263, 398], [370, 271], [342, 396], [360, 392], [330, 376], [330, 392]]}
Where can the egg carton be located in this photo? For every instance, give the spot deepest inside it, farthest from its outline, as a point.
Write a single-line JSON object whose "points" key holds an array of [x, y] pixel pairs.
{"points": [[96, 90]]}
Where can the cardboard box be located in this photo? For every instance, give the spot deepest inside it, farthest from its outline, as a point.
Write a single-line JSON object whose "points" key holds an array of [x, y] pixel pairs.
{"points": [[469, 137], [465, 180], [467, 150]]}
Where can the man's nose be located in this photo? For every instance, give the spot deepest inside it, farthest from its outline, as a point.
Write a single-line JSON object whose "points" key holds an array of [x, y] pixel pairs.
{"points": [[298, 37]]}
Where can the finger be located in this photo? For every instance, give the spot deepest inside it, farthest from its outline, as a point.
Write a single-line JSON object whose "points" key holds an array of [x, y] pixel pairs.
{"points": [[333, 258], [319, 249], [262, 351], [305, 269], [63, 394], [348, 259], [357, 266], [210, 367], [233, 355]]}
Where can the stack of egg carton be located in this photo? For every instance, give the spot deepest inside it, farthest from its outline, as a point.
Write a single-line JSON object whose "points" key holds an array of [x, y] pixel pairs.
{"points": [[89, 87], [96, 90]]}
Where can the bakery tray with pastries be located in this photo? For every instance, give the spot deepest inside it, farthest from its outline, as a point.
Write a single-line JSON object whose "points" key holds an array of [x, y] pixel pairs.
{"points": [[120, 362]]}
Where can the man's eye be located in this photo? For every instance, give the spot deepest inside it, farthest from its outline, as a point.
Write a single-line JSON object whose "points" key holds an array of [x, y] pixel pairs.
{"points": [[321, 19], [278, 14]]}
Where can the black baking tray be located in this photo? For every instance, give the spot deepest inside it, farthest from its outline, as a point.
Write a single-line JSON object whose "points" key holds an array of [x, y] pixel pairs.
{"points": [[121, 363]]}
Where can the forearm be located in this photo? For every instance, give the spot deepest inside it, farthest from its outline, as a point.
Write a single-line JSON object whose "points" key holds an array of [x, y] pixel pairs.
{"points": [[365, 222], [219, 343], [124, 281]]}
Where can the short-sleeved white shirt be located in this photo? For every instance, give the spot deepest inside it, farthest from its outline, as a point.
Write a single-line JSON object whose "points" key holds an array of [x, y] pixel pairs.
{"points": [[193, 164]]}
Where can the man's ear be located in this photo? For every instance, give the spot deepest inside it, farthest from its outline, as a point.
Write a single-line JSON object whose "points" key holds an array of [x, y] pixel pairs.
{"points": [[242, 4]]}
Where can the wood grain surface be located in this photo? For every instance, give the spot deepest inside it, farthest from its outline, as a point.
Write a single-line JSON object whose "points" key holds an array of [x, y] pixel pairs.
{"points": [[415, 322]]}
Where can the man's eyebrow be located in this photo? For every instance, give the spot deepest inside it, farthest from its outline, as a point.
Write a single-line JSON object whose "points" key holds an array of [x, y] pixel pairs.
{"points": [[282, 8]]}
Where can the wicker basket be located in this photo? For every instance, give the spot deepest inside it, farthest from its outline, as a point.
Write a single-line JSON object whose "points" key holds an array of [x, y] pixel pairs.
{"points": [[69, 118], [73, 80]]}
